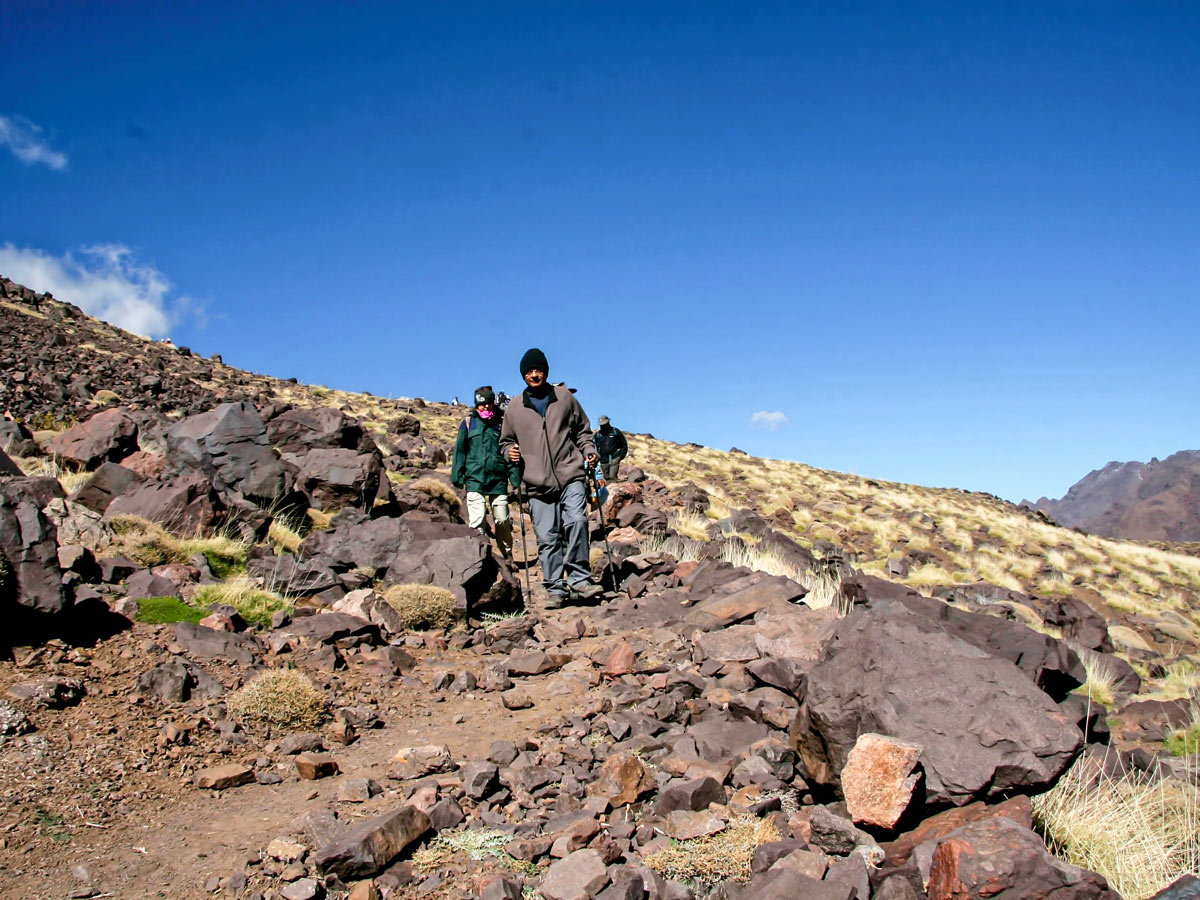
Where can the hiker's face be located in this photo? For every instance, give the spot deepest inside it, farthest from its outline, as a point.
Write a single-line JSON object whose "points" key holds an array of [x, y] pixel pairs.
{"points": [[535, 378]]}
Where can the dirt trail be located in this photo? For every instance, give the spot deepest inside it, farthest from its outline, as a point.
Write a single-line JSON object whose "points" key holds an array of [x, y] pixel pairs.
{"points": [[92, 788]]}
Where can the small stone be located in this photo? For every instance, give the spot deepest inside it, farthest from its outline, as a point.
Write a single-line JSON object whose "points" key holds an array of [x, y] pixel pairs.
{"points": [[357, 790], [516, 699], [311, 766], [304, 889], [219, 778], [287, 851]]}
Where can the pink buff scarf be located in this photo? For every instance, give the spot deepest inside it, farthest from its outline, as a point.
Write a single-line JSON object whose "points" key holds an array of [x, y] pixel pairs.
{"points": [[484, 414]]}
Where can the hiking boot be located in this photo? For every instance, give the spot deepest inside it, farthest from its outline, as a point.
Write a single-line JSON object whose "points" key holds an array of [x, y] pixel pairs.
{"points": [[555, 601], [585, 590]]}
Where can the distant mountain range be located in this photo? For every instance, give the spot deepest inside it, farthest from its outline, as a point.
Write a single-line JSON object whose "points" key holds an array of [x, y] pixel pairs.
{"points": [[1154, 501]]}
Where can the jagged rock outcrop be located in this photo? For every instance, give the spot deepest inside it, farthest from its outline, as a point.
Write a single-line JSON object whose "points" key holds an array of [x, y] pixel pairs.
{"points": [[1154, 501]]}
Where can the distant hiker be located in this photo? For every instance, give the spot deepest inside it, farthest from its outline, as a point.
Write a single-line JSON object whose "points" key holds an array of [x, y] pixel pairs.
{"points": [[612, 447], [455, 402], [548, 433], [479, 467], [502, 400]]}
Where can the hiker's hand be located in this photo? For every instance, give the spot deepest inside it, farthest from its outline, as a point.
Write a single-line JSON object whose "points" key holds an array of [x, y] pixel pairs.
{"points": [[592, 459], [514, 453]]}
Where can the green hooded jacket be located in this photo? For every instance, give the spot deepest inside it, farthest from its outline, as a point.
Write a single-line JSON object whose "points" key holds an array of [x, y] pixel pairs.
{"points": [[477, 464]]}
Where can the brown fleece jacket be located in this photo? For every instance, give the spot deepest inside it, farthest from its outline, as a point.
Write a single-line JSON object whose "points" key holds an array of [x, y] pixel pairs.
{"points": [[553, 448]]}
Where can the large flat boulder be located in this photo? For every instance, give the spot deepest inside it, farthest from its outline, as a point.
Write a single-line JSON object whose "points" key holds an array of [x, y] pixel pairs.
{"points": [[356, 541], [985, 729], [300, 431], [109, 481], [1050, 664], [110, 435], [186, 503]]}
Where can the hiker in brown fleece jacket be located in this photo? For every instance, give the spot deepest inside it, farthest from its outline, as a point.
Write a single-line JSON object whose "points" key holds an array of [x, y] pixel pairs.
{"points": [[547, 431]]}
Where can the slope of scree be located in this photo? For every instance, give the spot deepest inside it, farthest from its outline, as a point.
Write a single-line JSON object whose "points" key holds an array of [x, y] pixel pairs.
{"points": [[757, 707]]}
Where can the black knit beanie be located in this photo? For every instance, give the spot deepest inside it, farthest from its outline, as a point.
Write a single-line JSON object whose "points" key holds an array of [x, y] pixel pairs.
{"points": [[484, 394], [534, 359]]}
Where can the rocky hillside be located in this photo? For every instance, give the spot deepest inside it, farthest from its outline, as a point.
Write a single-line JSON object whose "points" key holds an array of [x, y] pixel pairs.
{"points": [[253, 651], [1154, 501]]}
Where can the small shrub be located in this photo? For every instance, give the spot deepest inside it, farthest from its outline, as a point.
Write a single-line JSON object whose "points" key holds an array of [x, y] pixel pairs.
{"points": [[166, 611], [423, 607], [707, 861], [1183, 742], [253, 604], [281, 698], [438, 490]]}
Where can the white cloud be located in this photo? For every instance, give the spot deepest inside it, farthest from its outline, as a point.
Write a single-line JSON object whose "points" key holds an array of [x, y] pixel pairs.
{"points": [[104, 280], [771, 420], [25, 140]]}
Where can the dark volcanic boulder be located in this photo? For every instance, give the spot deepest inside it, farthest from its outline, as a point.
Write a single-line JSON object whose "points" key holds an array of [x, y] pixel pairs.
{"points": [[299, 431], [1051, 664], [109, 481], [293, 576], [29, 570], [356, 541], [187, 503], [331, 479], [110, 435], [1001, 860], [451, 556], [8, 467], [16, 439], [229, 445], [985, 729]]}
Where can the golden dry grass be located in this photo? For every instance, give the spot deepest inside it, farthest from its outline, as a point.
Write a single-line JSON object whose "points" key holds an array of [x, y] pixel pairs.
{"points": [[1138, 833], [707, 861], [423, 607], [439, 490], [281, 698]]}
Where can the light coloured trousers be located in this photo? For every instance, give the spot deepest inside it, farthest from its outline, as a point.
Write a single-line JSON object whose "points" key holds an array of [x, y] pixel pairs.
{"points": [[477, 509], [562, 537]]}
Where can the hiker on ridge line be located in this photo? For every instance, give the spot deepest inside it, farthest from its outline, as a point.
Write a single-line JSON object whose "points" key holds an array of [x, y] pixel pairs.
{"points": [[479, 467], [548, 433], [612, 448]]}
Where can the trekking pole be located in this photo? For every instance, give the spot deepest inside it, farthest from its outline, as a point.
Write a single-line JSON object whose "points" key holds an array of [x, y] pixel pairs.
{"points": [[612, 574], [524, 547]]}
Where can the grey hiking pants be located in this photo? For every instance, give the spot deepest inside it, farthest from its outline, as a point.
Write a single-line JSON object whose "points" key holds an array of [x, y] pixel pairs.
{"points": [[561, 526]]}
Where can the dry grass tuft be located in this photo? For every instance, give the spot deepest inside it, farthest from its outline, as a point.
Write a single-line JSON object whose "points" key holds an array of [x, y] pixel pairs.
{"points": [[281, 698], [253, 604], [423, 607], [476, 843], [1101, 676], [1139, 835], [318, 519], [693, 526], [149, 544], [439, 490], [283, 536], [708, 861]]}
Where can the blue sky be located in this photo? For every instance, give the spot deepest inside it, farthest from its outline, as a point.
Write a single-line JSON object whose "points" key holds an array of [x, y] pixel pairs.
{"points": [[945, 243]]}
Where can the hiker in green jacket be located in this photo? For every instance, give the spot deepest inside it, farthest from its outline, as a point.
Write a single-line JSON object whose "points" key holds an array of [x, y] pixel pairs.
{"points": [[479, 468]]}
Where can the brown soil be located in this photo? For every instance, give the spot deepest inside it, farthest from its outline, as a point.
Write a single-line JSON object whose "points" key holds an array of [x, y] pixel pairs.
{"points": [[93, 787]]}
